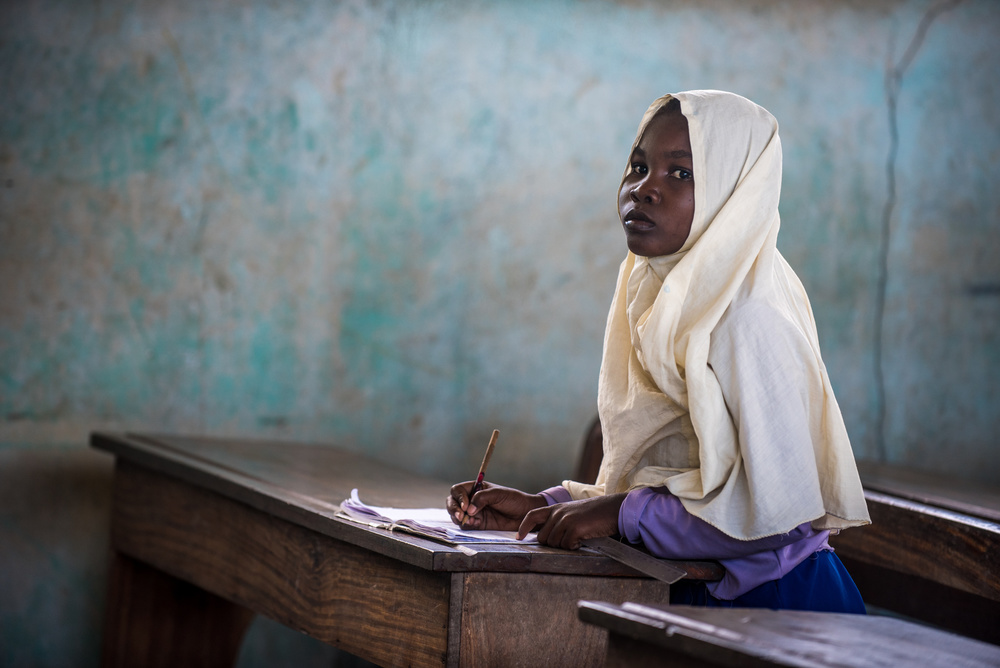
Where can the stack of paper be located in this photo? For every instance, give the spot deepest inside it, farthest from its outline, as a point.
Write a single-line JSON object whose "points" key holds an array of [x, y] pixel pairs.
{"points": [[433, 523]]}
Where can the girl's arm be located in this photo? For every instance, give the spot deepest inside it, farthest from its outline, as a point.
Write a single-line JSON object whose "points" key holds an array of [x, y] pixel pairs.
{"points": [[654, 517], [657, 519]]}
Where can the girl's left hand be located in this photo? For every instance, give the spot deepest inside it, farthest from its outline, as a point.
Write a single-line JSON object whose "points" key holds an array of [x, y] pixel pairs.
{"points": [[565, 525]]}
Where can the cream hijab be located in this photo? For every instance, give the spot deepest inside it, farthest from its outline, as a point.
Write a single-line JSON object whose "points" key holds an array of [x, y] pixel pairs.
{"points": [[663, 415]]}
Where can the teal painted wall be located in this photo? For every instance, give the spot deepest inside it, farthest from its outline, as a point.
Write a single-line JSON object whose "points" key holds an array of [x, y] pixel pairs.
{"points": [[392, 226]]}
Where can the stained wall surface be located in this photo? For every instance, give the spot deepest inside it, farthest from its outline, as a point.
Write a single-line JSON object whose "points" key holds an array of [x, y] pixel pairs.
{"points": [[392, 226]]}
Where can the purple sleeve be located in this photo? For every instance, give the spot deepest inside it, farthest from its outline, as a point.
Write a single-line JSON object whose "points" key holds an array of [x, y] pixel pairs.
{"points": [[654, 517], [554, 495]]}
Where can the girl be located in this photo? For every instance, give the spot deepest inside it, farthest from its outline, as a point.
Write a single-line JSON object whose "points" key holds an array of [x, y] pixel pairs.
{"points": [[722, 437]]}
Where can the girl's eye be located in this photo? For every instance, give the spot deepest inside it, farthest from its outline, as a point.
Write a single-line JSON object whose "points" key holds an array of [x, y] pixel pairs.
{"points": [[639, 169], [682, 174]]}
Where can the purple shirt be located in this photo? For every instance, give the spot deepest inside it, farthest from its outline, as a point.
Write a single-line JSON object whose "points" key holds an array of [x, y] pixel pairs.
{"points": [[657, 519]]}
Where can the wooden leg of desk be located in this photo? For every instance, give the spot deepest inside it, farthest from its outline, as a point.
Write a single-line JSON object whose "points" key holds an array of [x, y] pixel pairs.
{"points": [[156, 620]]}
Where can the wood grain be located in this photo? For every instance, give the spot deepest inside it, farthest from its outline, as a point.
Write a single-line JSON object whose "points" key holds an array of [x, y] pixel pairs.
{"points": [[955, 550], [927, 563], [962, 496], [502, 624], [922, 599], [368, 604], [157, 621], [305, 484], [657, 635], [254, 522]]}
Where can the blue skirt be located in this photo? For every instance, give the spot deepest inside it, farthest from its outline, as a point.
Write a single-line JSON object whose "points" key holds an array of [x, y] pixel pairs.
{"points": [[820, 583]]}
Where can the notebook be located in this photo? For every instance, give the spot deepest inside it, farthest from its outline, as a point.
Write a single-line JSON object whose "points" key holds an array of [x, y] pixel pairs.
{"points": [[433, 523]]}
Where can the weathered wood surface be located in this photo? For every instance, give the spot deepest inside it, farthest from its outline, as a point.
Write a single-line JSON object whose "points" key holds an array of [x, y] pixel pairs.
{"points": [[371, 605], [157, 621], [510, 619], [955, 550], [962, 496], [238, 527], [376, 607], [305, 484], [655, 635], [928, 563]]}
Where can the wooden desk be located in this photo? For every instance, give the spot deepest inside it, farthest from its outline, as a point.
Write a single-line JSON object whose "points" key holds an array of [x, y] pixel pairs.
{"points": [[207, 532], [687, 637], [965, 497], [932, 551]]}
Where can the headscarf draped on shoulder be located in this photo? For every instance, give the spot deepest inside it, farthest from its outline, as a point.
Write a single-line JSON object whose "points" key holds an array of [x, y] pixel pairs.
{"points": [[664, 419]]}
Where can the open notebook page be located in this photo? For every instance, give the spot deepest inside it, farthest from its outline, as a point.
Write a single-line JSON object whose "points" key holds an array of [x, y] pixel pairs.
{"points": [[432, 523]]}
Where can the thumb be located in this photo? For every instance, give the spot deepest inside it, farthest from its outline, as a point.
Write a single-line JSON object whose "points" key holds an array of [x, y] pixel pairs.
{"points": [[487, 496]]}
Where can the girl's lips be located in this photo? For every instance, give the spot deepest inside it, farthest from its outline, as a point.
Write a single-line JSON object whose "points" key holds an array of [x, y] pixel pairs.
{"points": [[638, 223]]}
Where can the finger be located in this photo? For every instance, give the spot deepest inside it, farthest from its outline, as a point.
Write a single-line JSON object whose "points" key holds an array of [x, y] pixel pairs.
{"points": [[570, 539], [556, 531], [457, 503], [532, 520], [565, 533], [545, 532], [458, 516], [474, 506], [458, 497], [460, 493], [470, 522]]}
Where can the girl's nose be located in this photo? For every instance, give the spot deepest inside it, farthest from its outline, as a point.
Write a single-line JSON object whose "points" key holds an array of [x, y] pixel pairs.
{"points": [[645, 192]]}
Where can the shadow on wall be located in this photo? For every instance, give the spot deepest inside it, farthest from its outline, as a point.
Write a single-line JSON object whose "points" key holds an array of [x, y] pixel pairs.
{"points": [[55, 510], [55, 505]]}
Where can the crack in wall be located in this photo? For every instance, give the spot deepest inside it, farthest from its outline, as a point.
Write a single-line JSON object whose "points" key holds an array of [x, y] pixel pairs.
{"points": [[893, 84]]}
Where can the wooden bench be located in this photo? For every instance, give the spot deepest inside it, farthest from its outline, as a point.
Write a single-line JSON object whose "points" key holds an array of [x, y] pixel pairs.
{"points": [[689, 637], [932, 552]]}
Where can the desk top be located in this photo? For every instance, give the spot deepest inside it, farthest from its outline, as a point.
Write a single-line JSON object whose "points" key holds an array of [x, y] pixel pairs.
{"points": [[305, 484], [962, 496], [745, 636]]}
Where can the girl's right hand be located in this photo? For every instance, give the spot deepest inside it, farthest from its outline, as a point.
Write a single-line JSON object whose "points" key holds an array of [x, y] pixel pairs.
{"points": [[494, 507]]}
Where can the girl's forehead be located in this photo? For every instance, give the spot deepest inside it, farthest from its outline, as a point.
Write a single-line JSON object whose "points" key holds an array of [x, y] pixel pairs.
{"points": [[665, 134]]}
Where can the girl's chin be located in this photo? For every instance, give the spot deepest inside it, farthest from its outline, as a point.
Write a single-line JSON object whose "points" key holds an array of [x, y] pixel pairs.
{"points": [[643, 248]]}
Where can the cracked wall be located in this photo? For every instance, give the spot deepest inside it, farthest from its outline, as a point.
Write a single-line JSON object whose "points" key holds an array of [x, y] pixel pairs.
{"points": [[392, 227]]}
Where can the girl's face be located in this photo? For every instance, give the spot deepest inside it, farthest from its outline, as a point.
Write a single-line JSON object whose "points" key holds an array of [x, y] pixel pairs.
{"points": [[656, 199]]}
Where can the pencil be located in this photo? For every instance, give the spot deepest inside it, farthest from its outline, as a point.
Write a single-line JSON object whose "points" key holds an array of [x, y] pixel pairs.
{"points": [[482, 472]]}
